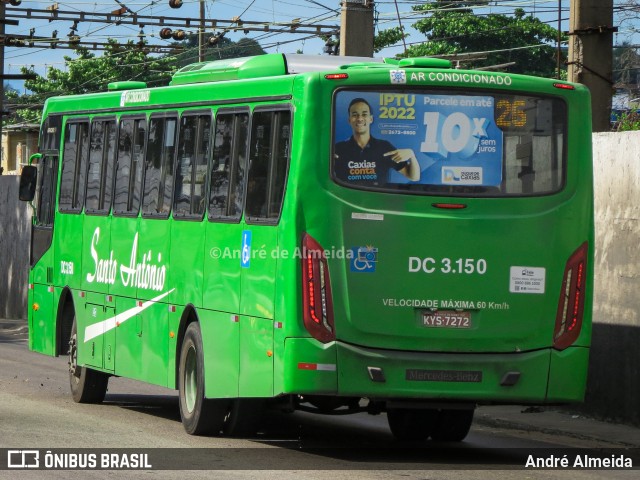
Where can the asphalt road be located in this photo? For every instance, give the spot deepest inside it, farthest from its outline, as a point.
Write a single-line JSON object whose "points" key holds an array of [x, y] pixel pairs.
{"points": [[37, 412]]}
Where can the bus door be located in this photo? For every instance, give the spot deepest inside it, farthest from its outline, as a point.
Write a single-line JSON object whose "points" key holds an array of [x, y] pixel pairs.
{"points": [[268, 163], [124, 245], [99, 264], [153, 266], [68, 241], [42, 339]]}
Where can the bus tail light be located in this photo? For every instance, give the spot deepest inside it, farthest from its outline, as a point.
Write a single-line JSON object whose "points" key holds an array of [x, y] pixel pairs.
{"points": [[571, 303], [316, 291]]}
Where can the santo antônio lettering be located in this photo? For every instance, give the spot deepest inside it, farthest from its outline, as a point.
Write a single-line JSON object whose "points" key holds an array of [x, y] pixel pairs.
{"points": [[144, 274]]}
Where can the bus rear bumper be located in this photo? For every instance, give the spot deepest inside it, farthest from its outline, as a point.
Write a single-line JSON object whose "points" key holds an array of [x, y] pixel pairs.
{"points": [[538, 377]]}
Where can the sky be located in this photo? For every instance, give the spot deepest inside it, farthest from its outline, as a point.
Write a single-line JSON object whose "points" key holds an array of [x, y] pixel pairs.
{"points": [[325, 12]]}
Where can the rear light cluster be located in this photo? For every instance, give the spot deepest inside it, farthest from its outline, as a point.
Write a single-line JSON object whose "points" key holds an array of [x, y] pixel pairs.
{"points": [[571, 303], [316, 291]]}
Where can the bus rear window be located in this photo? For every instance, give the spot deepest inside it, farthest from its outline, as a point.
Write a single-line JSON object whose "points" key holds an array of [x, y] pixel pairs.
{"points": [[448, 143]]}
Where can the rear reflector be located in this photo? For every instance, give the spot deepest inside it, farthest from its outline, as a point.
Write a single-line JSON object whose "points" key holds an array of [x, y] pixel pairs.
{"points": [[316, 291], [327, 367], [450, 206], [336, 76], [572, 297], [564, 86]]}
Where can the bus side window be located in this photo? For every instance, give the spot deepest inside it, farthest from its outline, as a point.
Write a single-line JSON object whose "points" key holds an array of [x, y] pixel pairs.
{"points": [[159, 158], [101, 160], [74, 166], [191, 168], [228, 165], [131, 145], [270, 139]]}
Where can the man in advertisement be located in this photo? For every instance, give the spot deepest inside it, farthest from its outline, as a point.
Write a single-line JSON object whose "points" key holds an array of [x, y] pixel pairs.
{"points": [[425, 139], [366, 159]]}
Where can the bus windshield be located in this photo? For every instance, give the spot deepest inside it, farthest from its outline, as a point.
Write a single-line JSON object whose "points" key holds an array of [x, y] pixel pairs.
{"points": [[443, 142]]}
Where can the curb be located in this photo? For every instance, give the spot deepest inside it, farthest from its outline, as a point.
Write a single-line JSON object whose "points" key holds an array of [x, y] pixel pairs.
{"points": [[551, 422]]}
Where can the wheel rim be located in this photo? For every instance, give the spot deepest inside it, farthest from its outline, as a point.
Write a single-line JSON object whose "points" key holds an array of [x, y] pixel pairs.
{"points": [[190, 379], [74, 370]]}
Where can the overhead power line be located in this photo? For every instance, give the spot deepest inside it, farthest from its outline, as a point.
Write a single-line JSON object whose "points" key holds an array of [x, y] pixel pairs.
{"points": [[132, 18]]}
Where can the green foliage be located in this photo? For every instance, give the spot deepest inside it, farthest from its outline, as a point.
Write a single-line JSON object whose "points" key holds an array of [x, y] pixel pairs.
{"points": [[388, 37], [628, 121], [625, 65], [13, 101], [89, 73], [452, 27], [224, 48]]}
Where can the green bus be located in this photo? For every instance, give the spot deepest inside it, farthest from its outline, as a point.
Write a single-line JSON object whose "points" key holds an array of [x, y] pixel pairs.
{"points": [[326, 234]]}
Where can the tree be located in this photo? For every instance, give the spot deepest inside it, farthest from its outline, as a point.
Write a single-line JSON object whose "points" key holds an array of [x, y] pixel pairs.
{"points": [[131, 61], [222, 48], [452, 27], [89, 73], [19, 107], [626, 65]]}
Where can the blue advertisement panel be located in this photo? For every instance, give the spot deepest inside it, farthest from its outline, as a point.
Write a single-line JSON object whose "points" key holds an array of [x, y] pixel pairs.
{"points": [[422, 138]]}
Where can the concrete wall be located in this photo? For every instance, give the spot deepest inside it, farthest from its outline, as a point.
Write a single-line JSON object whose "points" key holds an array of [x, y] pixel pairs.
{"points": [[15, 237], [613, 390]]}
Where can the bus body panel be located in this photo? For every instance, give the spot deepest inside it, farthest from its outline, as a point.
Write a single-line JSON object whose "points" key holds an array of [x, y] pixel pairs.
{"points": [[99, 266], [42, 327], [128, 339], [186, 271], [154, 357], [221, 342], [258, 264], [221, 283], [153, 266], [124, 245], [434, 262], [67, 244], [567, 383], [256, 357], [301, 374]]}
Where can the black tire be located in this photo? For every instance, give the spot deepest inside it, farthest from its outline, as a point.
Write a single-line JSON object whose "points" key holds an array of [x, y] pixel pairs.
{"points": [[243, 419], [200, 416], [452, 425], [411, 425], [87, 385]]}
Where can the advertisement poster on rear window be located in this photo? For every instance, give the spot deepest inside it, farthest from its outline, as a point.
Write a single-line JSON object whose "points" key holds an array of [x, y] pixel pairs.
{"points": [[384, 138]]}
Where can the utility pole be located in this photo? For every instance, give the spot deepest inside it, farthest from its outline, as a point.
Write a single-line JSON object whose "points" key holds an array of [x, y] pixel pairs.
{"points": [[590, 55], [4, 21], [2, 12], [356, 28], [201, 33]]}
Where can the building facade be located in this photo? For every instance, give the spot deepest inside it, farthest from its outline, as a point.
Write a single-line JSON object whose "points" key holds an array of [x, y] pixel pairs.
{"points": [[19, 142]]}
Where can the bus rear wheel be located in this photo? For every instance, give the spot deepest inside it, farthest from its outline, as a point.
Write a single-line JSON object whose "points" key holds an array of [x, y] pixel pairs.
{"points": [[87, 385], [243, 419], [200, 416], [412, 425], [452, 425]]}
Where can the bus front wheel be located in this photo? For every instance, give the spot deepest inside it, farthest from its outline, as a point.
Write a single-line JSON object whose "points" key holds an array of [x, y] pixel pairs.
{"points": [[87, 385], [200, 416]]}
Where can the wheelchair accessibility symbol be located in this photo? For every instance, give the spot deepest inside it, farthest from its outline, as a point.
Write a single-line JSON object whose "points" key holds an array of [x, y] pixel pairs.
{"points": [[364, 259]]}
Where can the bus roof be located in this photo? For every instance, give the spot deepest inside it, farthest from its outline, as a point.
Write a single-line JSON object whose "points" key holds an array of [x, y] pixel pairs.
{"points": [[274, 64]]}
